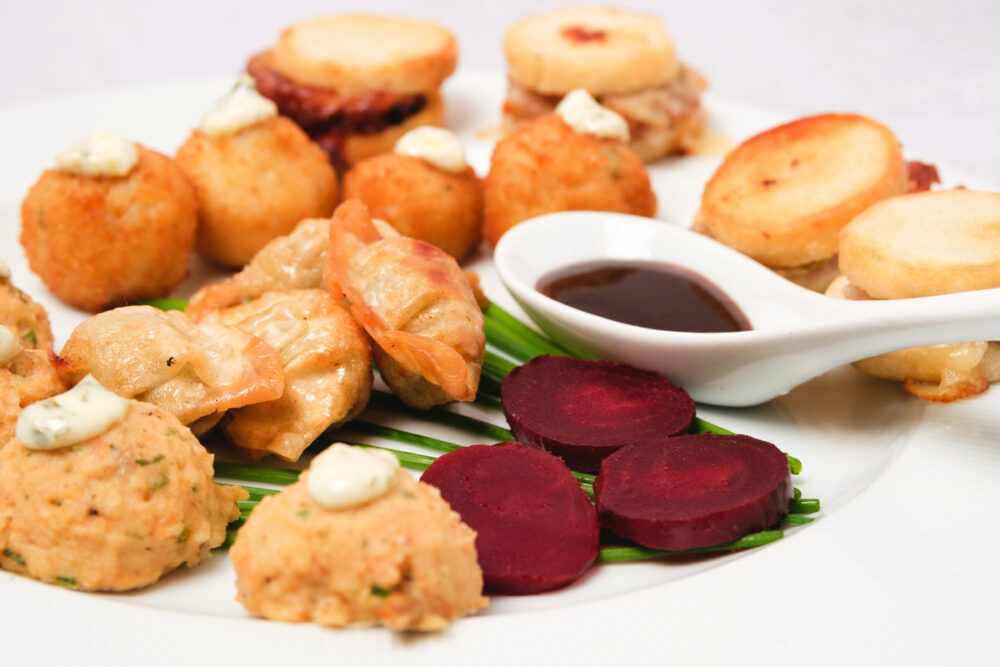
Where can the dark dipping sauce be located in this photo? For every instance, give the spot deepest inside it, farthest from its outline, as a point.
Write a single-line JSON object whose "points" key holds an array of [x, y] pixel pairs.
{"points": [[654, 295]]}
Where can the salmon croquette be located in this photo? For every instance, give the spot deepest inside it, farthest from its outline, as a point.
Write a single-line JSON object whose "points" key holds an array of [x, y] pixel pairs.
{"points": [[420, 199], [545, 166], [254, 183], [404, 559], [113, 512], [103, 240]]}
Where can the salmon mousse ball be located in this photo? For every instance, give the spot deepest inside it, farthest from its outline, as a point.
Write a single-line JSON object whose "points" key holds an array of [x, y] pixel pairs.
{"points": [[101, 493], [576, 159], [256, 175], [424, 189], [357, 541], [112, 224]]}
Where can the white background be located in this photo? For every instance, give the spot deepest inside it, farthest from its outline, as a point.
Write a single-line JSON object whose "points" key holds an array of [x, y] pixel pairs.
{"points": [[926, 68]]}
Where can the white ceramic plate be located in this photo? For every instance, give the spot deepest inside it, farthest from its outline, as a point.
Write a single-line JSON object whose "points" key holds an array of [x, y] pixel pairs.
{"points": [[900, 566]]}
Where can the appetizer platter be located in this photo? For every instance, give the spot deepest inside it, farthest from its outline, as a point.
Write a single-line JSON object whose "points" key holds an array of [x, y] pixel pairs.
{"points": [[870, 451]]}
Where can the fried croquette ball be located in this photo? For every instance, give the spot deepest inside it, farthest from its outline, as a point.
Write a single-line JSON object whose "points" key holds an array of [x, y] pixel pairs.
{"points": [[114, 512], [254, 186], [420, 200], [404, 560], [98, 241], [545, 166], [26, 317]]}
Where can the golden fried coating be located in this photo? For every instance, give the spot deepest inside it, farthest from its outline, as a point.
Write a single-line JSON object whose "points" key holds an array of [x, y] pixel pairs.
{"points": [[25, 316], [420, 200], [326, 357], [404, 560], [544, 167], [102, 241], [116, 512], [254, 186]]}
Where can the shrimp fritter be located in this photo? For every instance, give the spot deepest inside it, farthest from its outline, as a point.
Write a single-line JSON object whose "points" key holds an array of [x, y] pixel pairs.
{"points": [[102, 241], [545, 167], [254, 186]]}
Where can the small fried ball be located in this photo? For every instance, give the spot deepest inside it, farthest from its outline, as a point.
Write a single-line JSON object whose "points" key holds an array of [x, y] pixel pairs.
{"points": [[103, 241], [420, 200], [545, 166], [115, 512], [404, 560], [254, 186]]}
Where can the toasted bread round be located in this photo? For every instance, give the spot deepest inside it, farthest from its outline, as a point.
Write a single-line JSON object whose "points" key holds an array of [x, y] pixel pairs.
{"points": [[357, 147], [924, 244], [600, 49], [783, 196], [362, 52]]}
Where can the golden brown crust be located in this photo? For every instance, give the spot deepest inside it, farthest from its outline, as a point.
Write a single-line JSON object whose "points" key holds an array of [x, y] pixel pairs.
{"points": [[783, 196], [544, 167], [254, 186], [337, 52], [420, 200], [97, 242], [924, 244], [603, 50]]}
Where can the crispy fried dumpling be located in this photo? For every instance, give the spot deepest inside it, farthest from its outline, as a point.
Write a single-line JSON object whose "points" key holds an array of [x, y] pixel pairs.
{"points": [[191, 370], [415, 303], [328, 376], [290, 262]]}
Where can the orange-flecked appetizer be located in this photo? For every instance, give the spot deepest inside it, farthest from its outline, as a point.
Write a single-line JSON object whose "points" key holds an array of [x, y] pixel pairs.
{"points": [[424, 189], [356, 541], [416, 304], [576, 159], [256, 175], [100, 493], [112, 224]]}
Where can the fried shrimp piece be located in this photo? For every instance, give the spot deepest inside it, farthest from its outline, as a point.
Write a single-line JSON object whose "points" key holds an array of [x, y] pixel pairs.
{"points": [[99, 241], [290, 262], [420, 200], [415, 303], [191, 370], [116, 511], [404, 560], [327, 361], [254, 186], [545, 166]]}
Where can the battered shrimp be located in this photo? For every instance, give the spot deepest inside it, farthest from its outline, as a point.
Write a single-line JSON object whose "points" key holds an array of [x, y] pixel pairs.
{"points": [[415, 302]]}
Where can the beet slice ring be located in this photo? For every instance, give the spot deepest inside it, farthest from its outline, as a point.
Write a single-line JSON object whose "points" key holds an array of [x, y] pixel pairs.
{"points": [[584, 411], [693, 490], [536, 528]]}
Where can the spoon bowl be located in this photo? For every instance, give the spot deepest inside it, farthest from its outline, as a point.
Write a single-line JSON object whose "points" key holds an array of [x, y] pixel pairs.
{"points": [[796, 333]]}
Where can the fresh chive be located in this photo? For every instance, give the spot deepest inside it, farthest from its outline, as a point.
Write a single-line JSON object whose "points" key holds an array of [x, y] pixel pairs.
{"points": [[498, 364], [796, 493], [799, 519], [66, 581], [805, 506], [184, 535], [256, 492], [378, 591], [166, 304], [406, 459], [230, 538], [31, 337], [256, 473], [701, 426], [161, 481], [446, 417], [621, 554], [794, 465], [149, 462], [515, 328], [399, 435], [14, 556]]}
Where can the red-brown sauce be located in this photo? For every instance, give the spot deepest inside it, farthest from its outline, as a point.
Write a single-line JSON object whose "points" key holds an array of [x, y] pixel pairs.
{"points": [[647, 294]]}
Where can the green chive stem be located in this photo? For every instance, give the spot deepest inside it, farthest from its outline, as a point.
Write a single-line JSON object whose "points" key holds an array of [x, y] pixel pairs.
{"points": [[805, 506], [622, 554], [256, 473], [522, 331], [166, 304]]}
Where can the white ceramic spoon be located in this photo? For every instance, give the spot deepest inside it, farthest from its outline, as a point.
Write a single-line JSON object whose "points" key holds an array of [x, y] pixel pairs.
{"points": [[797, 334]]}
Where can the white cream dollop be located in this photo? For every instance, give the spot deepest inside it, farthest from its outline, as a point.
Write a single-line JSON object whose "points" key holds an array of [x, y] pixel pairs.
{"points": [[10, 345], [100, 153], [4, 270], [436, 145], [582, 112], [345, 475], [240, 108], [83, 412]]}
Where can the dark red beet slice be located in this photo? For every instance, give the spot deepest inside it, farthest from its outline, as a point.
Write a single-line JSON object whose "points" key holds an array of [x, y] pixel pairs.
{"points": [[536, 528], [584, 411], [693, 490]]}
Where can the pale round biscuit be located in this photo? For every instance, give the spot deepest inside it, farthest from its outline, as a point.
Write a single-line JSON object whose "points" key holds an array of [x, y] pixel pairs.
{"points": [[783, 196], [600, 49], [357, 147], [924, 244], [363, 52]]}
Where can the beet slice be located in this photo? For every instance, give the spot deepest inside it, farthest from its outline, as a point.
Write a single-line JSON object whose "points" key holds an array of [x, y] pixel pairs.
{"points": [[693, 490], [536, 528], [584, 411]]}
